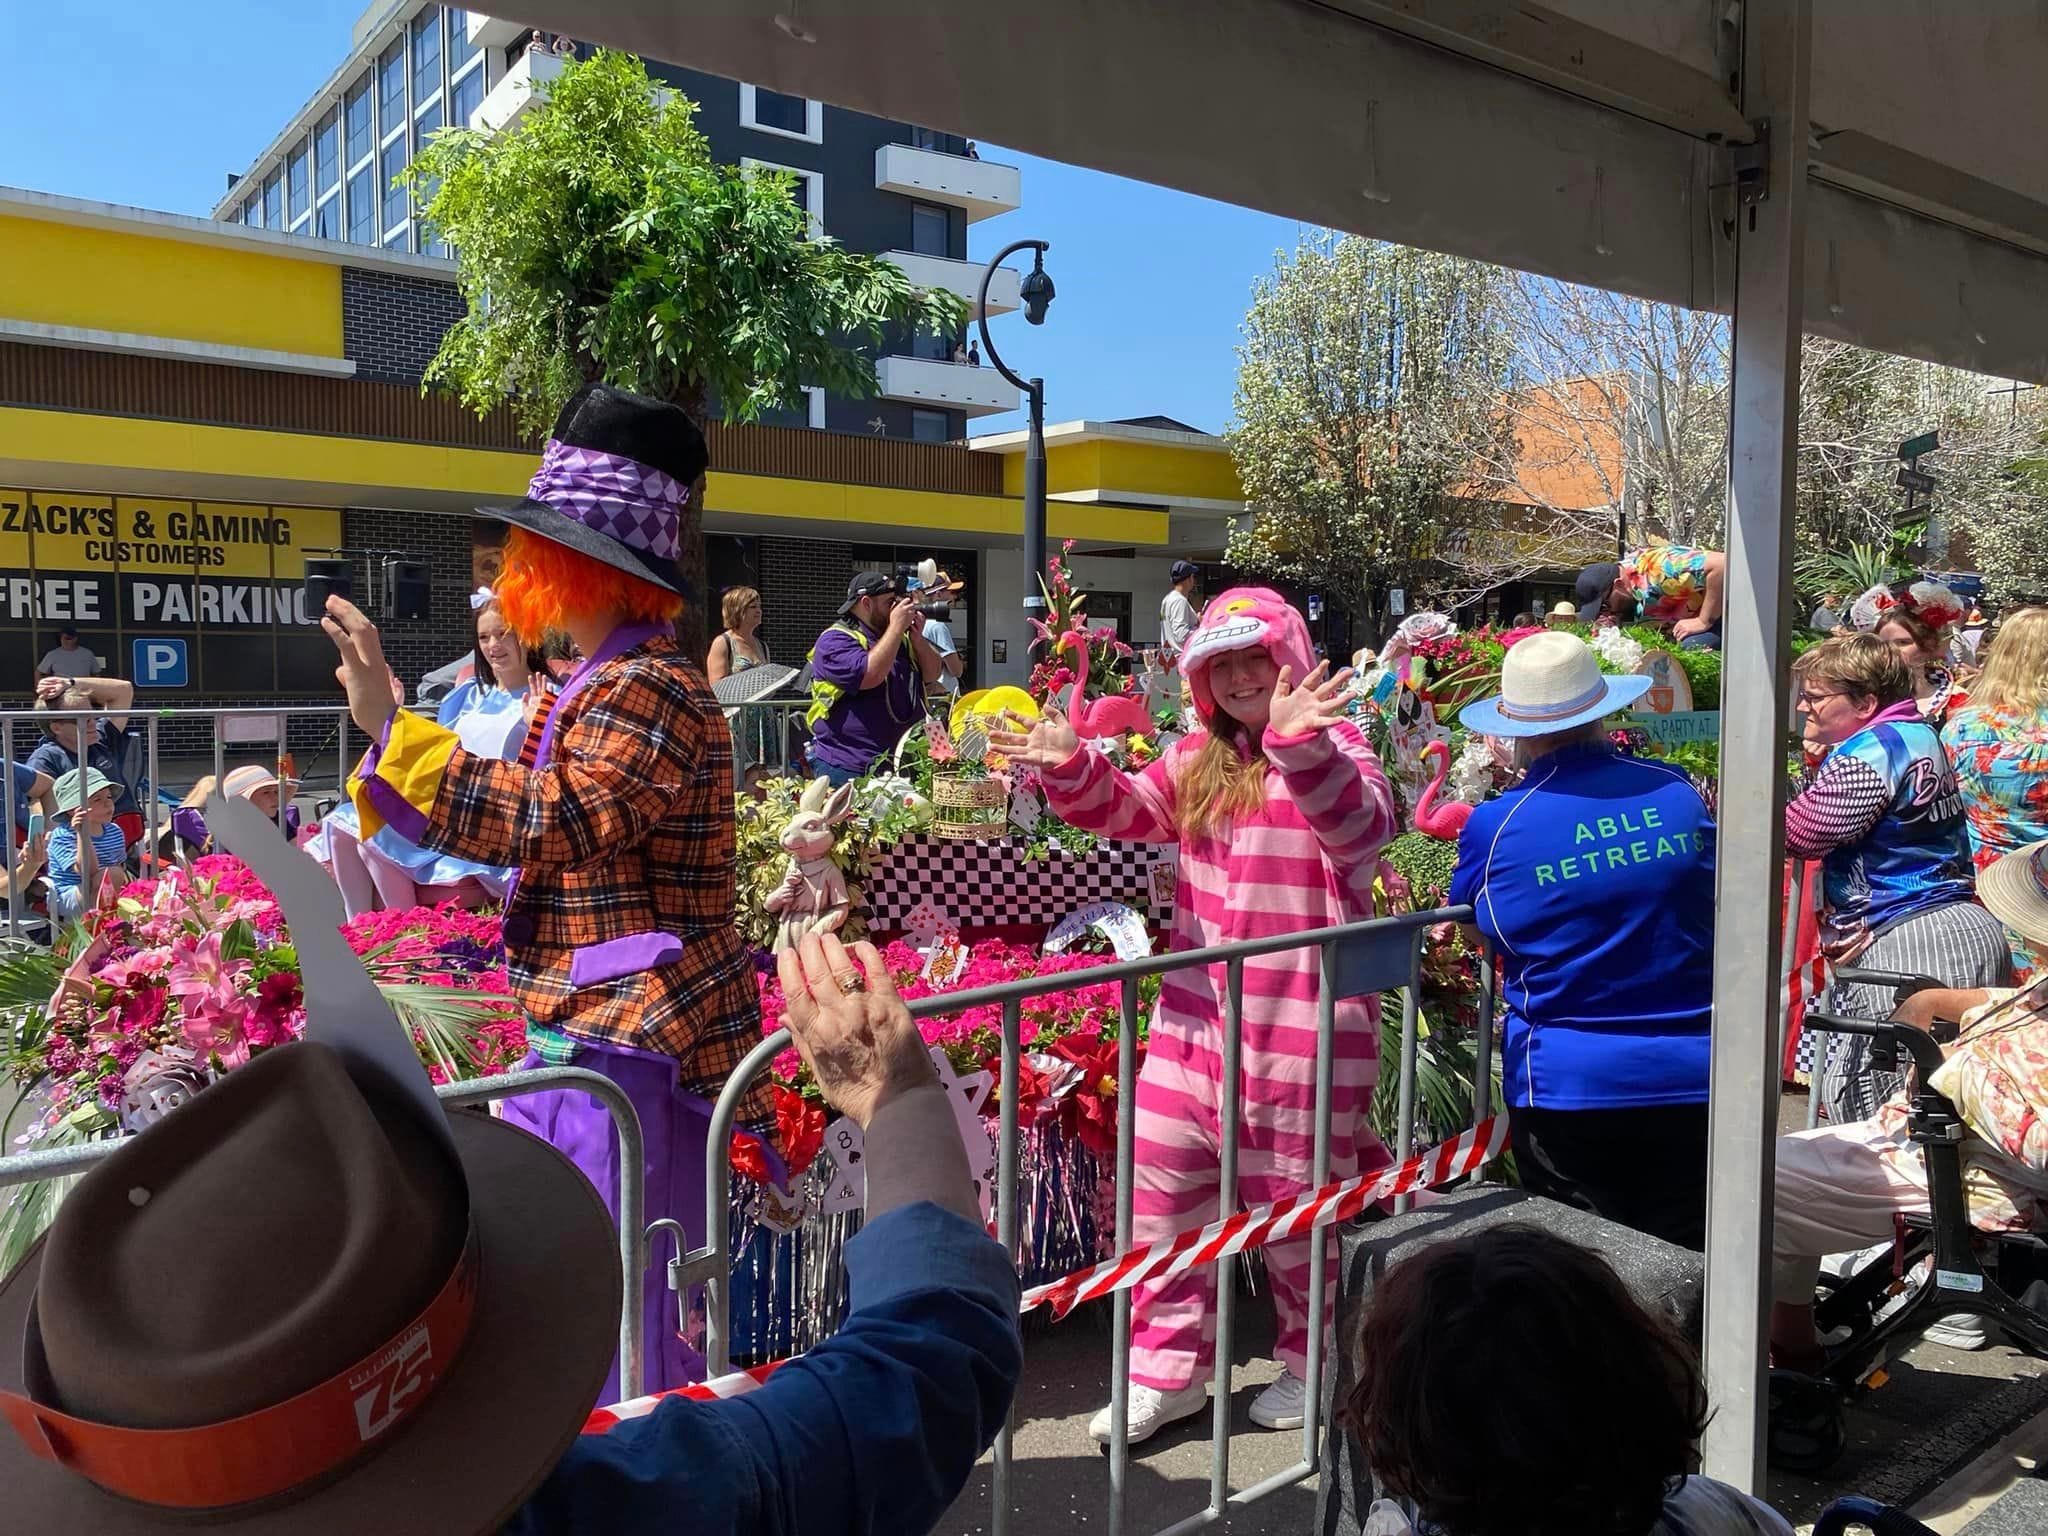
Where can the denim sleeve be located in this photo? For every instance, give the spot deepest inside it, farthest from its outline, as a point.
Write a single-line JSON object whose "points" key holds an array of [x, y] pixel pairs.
{"points": [[874, 1431]]}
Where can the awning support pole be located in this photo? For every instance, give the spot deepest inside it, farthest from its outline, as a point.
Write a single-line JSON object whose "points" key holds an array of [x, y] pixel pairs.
{"points": [[1750, 855]]}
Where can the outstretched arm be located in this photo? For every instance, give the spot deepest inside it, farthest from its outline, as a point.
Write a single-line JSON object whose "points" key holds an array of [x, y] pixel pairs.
{"points": [[1331, 772], [639, 743], [876, 1429], [1085, 788]]}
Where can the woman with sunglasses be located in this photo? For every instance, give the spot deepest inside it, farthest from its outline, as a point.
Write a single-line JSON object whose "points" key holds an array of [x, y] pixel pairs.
{"points": [[1885, 816]]}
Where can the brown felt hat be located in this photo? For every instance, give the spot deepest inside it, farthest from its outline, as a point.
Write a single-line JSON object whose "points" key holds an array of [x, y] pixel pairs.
{"points": [[284, 1308]]}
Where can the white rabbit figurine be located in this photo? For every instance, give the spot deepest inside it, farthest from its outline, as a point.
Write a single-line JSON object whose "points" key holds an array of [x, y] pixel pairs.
{"points": [[812, 897]]}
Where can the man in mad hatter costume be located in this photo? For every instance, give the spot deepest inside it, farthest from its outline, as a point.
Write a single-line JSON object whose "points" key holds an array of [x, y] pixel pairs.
{"points": [[619, 930]]}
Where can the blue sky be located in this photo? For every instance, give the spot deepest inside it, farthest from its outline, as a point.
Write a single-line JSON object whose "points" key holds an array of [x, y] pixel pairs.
{"points": [[160, 103]]}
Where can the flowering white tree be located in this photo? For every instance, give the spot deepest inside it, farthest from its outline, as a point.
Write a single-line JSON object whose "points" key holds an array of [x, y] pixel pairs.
{"points": [[1639, 395], [1368, 386], [1637, 406], [2007, 529]]}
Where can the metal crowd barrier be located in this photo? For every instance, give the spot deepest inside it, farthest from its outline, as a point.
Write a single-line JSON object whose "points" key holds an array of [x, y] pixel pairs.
{"points": [[232, 727], [63, 1162], [776, 723], [1356, 959]]}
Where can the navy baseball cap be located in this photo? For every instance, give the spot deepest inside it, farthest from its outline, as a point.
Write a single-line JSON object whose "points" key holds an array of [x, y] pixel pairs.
{"points": [[870, 584], [1591, 589]]}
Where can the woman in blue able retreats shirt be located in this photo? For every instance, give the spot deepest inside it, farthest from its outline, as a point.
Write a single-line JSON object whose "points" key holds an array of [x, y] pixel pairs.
{"points": [[1594, 879]]}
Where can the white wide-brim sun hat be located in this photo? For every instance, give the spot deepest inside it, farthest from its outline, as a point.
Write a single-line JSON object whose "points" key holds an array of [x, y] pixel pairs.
{"points": [[2015, 890], [1549, 683]]}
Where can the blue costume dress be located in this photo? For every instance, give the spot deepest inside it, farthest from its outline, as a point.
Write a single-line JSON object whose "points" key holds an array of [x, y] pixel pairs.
{"points": [[490, 722]]}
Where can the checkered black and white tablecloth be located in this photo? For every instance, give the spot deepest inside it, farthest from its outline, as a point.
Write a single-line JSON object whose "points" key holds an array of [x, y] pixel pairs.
{"points": [[990, 885]]}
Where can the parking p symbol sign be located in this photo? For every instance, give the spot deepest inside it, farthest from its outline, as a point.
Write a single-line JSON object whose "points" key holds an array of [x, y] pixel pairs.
{"points": [[160, 664]]}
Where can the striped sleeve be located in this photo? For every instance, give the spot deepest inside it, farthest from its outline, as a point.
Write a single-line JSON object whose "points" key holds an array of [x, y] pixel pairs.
{"points": [[399, 778], [1090, 792], [1336, 783], [1846, 799]]}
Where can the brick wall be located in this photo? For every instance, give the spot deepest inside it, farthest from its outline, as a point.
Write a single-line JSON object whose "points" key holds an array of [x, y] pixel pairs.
{"points": [[444, 541], [391, 324], [803, 582], [414, 649]]}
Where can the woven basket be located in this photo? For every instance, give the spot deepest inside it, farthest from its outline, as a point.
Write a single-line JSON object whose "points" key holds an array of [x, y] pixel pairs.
{"points": [[969, 810]]}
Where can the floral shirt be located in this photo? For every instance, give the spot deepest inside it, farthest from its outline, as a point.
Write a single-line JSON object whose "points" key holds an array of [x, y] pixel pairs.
{"points": [[2001, 762], [1669, 581]]}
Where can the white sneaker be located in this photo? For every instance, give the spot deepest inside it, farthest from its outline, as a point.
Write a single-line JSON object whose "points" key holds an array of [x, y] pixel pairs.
{"points": [[1283, 1404], [1152, 1410], [1959, 1330]]}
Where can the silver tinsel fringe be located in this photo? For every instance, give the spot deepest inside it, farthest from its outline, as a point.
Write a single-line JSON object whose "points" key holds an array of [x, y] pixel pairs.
{"points": [[789, 1286]]}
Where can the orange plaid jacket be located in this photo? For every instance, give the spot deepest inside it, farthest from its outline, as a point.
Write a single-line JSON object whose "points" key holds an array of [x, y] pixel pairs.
{"points": [[621, 926]]}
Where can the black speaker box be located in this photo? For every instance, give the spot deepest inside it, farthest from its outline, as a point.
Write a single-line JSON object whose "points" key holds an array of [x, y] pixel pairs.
{"points": [[409, 591]]}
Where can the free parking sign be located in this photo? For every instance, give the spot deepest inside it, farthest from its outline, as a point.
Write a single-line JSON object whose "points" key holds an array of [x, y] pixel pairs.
{"points": [[160, 664]]}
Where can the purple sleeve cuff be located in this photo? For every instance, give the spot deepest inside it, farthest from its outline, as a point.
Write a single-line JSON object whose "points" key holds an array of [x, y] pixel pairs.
{"points": [[400, 814]]}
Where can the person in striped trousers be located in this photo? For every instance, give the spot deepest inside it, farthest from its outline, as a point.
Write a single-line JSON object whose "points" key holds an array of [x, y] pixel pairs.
{"points": [[1280, 810]]}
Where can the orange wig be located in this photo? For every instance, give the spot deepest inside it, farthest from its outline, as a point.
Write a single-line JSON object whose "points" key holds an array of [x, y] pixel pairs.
{"points": [[545, 586]]}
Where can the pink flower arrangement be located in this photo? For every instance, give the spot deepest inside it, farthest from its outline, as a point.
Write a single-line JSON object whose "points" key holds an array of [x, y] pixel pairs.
{"points": [[189, 974], [1068, 1037]]}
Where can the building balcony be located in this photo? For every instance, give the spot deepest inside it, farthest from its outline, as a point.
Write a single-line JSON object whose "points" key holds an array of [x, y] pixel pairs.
{"points": [[510, 97], [961, 277], [493, 31], [982, 187], [945, 386]]}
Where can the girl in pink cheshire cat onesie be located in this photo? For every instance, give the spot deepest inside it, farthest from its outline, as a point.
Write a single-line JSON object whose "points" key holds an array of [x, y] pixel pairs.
{"points": [[1280, 810]]}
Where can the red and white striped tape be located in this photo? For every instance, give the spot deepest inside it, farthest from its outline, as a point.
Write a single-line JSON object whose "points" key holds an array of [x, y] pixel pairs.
{"points": [[1248, 1229], [1273, 1222], [738, 1384]]}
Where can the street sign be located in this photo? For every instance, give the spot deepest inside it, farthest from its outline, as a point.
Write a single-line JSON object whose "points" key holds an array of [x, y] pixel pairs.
{"points": [[1913, 447], [1916, 480], [160, 664], [1397, 601]]}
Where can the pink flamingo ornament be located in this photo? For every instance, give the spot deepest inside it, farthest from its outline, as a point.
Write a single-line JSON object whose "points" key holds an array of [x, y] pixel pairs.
{"points": [[1444, 821], [1116, 714]]}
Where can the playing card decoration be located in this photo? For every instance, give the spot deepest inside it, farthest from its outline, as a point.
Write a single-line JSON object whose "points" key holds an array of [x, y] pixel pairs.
{"points": [[1025, 808], [928, 923], [848, 1191], [845, 1145], [945, 960]]}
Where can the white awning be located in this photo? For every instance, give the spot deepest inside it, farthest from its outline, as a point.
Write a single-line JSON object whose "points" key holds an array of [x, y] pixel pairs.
{"points": [[1587, 141]]}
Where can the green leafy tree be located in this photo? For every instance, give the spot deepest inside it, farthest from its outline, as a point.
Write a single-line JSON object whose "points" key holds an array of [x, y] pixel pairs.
{"points": [[2008, 529], [1368, 389], [600, 240]]}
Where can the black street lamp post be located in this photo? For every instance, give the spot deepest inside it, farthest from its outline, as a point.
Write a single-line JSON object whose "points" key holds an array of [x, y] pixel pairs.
{"points": [[1037, 293]]}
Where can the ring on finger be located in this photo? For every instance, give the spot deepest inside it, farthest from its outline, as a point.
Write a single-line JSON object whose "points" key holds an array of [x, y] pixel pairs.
{"points": [[851, 982]]}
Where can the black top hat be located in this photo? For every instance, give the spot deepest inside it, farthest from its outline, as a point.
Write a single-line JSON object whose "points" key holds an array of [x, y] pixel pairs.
{"points": [[615, 482]]}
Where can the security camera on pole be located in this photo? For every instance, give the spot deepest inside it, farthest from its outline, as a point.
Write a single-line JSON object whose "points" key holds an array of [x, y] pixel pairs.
{"points": [[1036, 292]]}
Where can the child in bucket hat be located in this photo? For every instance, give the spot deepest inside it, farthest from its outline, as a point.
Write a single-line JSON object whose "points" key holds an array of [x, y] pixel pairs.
{"points": [[85, 844]]}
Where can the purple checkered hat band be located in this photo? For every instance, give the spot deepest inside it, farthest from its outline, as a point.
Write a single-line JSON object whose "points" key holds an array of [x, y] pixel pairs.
{"points": [[620, 498]]}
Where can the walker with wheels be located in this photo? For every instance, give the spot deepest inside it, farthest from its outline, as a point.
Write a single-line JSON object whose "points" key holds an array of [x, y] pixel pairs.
{"points": [[1971, 1272]]}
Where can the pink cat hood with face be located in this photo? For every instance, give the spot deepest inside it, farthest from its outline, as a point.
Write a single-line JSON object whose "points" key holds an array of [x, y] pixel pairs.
{"points": [[1237, 620]]}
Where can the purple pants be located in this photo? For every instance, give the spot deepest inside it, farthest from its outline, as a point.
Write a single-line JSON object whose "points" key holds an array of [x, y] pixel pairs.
{"points": [[674, 1126]]}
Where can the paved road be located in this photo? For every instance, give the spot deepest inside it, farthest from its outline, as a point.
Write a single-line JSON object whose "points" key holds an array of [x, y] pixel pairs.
{"points": [[1939, 1409]]}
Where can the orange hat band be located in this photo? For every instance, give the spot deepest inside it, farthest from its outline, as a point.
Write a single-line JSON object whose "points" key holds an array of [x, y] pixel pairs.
{"points": [[265, 1453]]}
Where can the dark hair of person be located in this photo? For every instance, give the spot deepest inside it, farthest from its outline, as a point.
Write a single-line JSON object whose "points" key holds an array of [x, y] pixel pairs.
{"points": [[1510, 1385], [536, 660]]}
